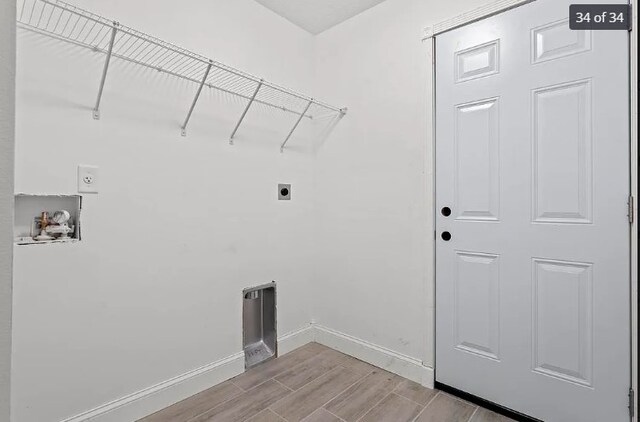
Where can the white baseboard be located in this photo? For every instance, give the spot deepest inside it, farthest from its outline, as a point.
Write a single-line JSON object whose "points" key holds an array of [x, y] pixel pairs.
{"points": [[295, 339], [381, 357], [166, 393]]}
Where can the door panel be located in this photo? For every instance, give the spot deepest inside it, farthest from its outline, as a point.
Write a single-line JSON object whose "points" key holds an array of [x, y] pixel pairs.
{"points": [[478, 61], [532, 157], [562, 320], [477, 303], [477, 178], [562, 164], [556, 40]]}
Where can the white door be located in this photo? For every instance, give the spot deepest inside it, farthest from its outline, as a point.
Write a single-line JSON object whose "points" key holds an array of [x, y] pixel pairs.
{"points": [[532, 159]]}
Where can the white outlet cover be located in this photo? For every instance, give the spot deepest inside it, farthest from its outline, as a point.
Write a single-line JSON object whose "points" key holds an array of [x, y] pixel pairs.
{"points": [[88, 179]]}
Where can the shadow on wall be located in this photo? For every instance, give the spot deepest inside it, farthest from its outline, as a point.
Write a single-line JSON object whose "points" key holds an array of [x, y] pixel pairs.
{"points": [[324, 128]]}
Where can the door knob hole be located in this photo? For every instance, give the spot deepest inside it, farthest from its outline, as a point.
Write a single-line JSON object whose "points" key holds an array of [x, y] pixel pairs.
{"points": [[446, 211], [446, 236]]}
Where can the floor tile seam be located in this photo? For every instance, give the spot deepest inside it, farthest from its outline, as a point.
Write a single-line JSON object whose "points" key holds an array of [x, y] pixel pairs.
{"points": [[373, 407], [410, 399], [308, 382], [473, 414], [226, 401], [459, 399], [282, 398], [322, 406], [424, 409], [304, 361], [282, 384]]}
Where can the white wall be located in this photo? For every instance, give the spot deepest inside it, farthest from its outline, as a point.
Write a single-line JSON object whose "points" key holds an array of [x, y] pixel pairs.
{"points": [[180, 226], [375, 177], [7, 114]]}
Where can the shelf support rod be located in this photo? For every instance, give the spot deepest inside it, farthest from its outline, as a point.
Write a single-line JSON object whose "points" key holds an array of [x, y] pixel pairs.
{"points": [[96, 109], [296, 125], [195, 100], [244, 113]]}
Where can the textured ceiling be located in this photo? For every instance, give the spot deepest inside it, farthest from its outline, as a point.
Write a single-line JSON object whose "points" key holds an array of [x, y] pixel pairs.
{"points": [[316, 16]]}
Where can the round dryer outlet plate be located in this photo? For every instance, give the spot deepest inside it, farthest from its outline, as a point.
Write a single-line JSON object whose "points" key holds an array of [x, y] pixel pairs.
{"points": [[284, 192]]}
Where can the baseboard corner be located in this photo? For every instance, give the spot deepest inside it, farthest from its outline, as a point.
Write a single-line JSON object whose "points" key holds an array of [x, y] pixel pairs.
{"points": [[295, 339], [389, 360]]}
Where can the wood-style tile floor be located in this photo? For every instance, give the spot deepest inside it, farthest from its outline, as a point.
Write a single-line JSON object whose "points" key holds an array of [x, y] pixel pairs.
{"points": [[318, 384]]}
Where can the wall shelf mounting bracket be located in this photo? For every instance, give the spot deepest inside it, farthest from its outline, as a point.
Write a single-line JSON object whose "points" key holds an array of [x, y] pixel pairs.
{"points": [[246, 109], [96, 109], [195, 99], [295, 126]]}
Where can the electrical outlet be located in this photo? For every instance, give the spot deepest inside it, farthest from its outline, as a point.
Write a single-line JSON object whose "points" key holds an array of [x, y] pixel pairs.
{"points": [[87, 179]]}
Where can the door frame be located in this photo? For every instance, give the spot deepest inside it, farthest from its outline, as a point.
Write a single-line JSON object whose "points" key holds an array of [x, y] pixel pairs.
{"points": [[7, 158], [429, 38]]}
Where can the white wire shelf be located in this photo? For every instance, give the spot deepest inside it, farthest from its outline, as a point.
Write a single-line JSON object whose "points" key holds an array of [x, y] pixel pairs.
{"points": [[69, 23]]}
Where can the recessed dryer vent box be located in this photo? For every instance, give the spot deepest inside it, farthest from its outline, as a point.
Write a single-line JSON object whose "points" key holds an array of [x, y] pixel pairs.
{"points": [[259, 333], [28, 218]]}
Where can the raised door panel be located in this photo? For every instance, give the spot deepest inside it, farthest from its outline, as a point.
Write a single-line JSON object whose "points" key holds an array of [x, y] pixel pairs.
{"points": [[477, 160], [556, 40], [477, 62], [562, 154], [477, 304], [562, 318]]}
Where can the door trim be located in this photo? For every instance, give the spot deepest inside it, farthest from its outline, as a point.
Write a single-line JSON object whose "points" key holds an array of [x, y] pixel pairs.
{"points": [[633, 121], [483, 12], [471, 16]]}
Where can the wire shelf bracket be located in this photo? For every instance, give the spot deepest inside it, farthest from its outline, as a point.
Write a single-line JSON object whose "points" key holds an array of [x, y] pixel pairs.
{"points": [[244, 113], [66, 22], [295, 126], [96, 109], [195, 100]]}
